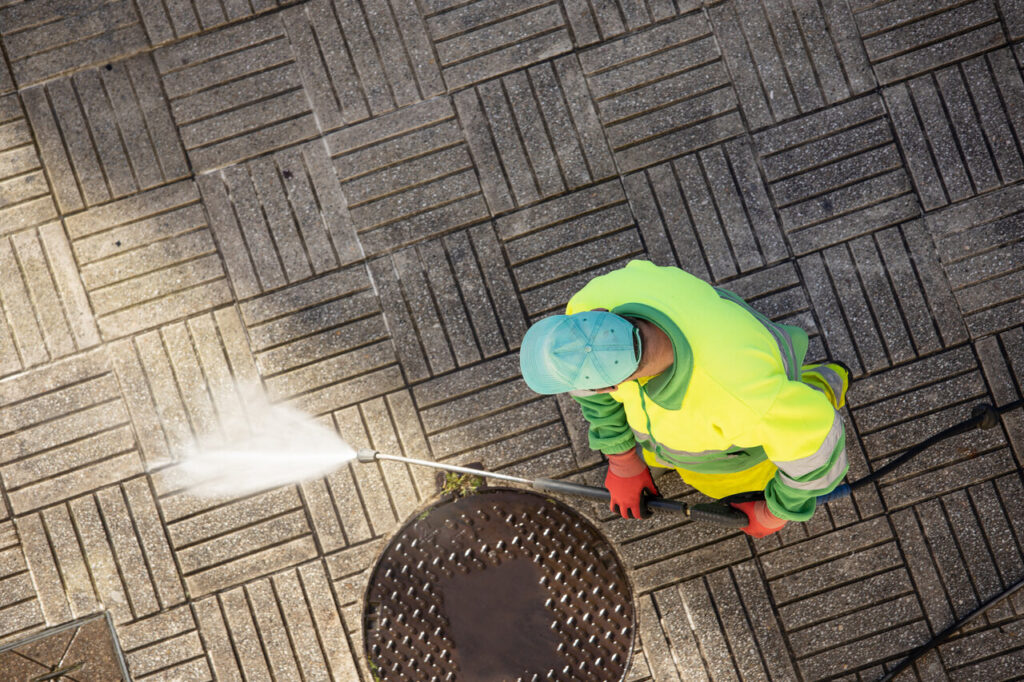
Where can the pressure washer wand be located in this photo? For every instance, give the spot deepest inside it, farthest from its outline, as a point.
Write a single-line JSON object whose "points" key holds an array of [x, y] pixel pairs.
{"points": [[719, 514]]}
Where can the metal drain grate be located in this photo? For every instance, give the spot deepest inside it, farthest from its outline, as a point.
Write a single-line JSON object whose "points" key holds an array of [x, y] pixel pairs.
{"points": [[500, 585]]}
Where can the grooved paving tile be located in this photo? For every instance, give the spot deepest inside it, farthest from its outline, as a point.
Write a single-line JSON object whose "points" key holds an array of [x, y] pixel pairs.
{"points": [[534, 134], [486, 414], [989, 654], [25, 198], [662, 92], [279, 219], [547, 243], [715, 217], [961, 127], [836, 174], [164, 646], [238, 92], [182, 387], [593, 22], [105, 133], [147, 259], [362, 58], [169, 20], [407, 176], [20, 608], [286, 625], [219, 543], [790, 57], [480, 39], [900, 407], [442, 308], [64, 430], [45, 38], [1002, 359], [904, 39], [323, 344], [981, 246], [47, 314], [106, 550], [885, 297]]}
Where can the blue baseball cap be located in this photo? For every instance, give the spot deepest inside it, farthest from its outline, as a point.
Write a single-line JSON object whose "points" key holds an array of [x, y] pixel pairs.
{"points": [[588, 350]]}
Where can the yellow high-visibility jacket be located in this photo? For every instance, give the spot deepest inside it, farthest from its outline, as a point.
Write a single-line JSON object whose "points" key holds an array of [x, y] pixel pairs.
{"points": [[732, 414]]}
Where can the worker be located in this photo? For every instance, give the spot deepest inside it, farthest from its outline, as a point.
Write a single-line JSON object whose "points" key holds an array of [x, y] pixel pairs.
{"points": [[671, 372]]}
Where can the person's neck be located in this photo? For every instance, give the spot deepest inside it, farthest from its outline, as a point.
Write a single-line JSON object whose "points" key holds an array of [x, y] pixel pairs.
{"points": [[657, 348]]}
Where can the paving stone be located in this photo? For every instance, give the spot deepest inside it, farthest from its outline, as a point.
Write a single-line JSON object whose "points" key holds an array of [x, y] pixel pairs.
{"points": [[279, 220], [956, 131], [407, 175], [20, 607], [662, 92], [167, 20], [905, 39], [834, 175], [359, 207], [1001, 372], [534, 134], [67, 441], [105, 133], [722, 223], [481, 39], [48, 315], [545, 243], [437, 291], [362, 59], [45, 39], [147, 259], [789, 58], [232, 104], [25, 198], [985, 235]]}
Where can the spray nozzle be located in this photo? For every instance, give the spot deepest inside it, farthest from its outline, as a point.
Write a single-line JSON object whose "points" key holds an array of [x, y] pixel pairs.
{"points": [[366, 455]]}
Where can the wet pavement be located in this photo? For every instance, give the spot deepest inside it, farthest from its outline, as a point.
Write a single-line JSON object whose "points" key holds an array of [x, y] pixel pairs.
{"points": [[361, 206]]}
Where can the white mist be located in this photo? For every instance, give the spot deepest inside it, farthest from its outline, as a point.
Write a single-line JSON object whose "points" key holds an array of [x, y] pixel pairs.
{"points": [[260, 446]]}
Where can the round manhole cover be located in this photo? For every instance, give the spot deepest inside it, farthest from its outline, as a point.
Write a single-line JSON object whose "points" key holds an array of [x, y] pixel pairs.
{"points": [[501, 585]]}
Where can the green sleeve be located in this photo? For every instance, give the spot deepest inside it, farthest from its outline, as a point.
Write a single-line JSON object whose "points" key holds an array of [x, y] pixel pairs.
{"points": [[609, 430]]}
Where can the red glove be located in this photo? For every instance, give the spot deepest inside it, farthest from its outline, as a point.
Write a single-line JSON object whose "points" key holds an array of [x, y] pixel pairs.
{"points": [[627, 480], [762, 521]]}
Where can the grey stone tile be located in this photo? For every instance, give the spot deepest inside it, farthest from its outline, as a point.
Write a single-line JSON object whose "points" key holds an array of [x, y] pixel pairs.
{"points": [[905, 39], [592, 23], [19, 600], [547, 242], [68, 440], [407, 176], [46, 39], [105, 133], [790, 58], [534, 134], [662, 92], [26, 200], [478, 40], [361, 59], [891, 302], [279, 219], [147, 259], [719, 219], [979, 245], [236, 93], [48, 316], [166, 21], [953, 124]]}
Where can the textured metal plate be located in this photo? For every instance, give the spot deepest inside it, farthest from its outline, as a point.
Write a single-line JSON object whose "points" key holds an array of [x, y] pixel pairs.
{"points": [[500, 585]]}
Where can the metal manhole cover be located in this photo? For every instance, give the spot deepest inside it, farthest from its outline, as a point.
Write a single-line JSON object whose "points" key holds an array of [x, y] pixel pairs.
{"points": [[500, 585]]}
